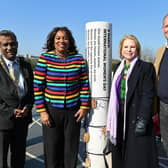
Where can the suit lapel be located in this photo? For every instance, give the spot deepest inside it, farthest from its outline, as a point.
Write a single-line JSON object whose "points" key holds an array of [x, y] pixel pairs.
{"points": [[4, 66], [159, 56], [132, 81], [8, 82]]}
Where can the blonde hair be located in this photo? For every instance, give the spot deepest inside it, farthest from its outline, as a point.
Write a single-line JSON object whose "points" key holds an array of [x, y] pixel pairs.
{"points": [[131, 37]]}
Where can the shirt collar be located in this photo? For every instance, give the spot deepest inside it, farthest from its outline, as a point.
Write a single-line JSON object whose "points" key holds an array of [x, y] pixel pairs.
{"points": [[167, 43], [7, 62]]}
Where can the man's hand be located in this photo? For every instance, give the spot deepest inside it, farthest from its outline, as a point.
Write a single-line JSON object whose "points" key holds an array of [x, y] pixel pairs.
{"points": [[20, 113]]}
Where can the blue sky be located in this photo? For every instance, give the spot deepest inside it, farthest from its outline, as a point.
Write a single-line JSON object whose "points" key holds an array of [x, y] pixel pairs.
{"points": [[32, 20]]}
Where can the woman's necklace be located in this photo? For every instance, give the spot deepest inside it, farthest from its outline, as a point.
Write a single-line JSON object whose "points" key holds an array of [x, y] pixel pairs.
{"points": [[126, 67], [61, 56]]}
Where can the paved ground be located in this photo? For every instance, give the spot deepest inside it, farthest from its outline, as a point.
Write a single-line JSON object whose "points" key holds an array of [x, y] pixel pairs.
{"points": [[34, 154]]}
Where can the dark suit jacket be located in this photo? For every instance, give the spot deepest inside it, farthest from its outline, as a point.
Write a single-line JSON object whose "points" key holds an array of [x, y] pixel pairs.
{"points": [[9, 94]]}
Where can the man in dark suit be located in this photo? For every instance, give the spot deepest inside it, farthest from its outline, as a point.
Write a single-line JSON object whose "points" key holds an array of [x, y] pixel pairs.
{"points": [[161, 64], [16, 100]]}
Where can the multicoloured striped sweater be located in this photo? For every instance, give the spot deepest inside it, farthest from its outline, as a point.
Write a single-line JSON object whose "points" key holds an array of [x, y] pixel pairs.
{"points": [[61, 82]]}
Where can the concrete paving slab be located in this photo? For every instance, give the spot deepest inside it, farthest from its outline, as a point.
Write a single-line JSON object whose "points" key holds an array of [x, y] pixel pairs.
{"points": [[34, 150]]}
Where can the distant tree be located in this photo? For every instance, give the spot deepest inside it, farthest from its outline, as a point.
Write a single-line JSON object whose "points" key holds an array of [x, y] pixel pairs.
{"points": [[114, 62], [33, 62], [147, 55]]}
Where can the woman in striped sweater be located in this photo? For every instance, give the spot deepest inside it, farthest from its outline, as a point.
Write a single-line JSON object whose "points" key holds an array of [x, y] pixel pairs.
{"points": [[62, 97]]}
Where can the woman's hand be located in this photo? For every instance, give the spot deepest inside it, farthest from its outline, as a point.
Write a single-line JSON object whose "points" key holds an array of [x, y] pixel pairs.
{"points": [[140, 128], [80, 114], [45, 119]]}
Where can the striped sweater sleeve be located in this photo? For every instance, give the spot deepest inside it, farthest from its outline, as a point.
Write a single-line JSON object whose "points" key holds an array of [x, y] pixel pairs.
{"points": [[84, 90], [39, 84]]}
